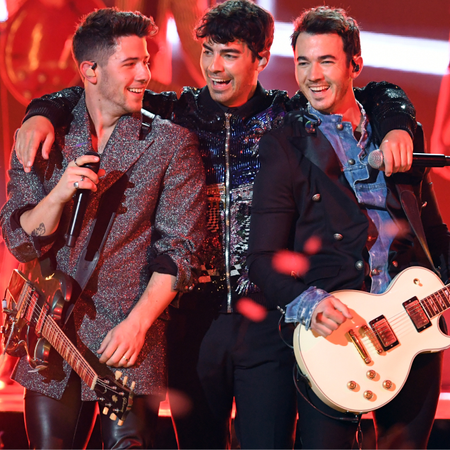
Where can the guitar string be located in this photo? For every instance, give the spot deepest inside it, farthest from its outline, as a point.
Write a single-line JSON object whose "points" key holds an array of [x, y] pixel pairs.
{"points": [[65, 340]]}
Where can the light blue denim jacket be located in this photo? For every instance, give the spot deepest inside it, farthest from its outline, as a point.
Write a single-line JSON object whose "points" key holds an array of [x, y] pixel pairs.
{"points": [[353, 157]]}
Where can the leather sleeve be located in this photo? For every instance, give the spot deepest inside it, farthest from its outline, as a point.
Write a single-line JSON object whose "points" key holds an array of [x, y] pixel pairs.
{"points": [[58, 106], [388, 108]]}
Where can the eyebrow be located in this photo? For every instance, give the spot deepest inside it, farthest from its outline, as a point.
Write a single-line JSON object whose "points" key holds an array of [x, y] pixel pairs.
{"points": [[224, 50], [320, 58], [134, 58]]}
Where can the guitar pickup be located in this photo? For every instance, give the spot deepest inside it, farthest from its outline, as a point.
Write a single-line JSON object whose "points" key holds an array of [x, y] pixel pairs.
{"points": [[417, 314], [384, 332]]}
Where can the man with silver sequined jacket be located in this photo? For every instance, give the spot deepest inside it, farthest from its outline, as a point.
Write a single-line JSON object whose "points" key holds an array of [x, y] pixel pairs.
{"points": [[154, 174], [216, 352]]}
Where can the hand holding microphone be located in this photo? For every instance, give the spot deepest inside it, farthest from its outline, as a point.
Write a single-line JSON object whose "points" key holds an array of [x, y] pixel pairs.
{"points": [[81, 202], [376, 160]]}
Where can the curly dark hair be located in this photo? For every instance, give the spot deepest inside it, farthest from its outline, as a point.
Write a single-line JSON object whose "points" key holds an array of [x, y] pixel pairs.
{"points": [[96, 36], [238, 20], [324, 20]]}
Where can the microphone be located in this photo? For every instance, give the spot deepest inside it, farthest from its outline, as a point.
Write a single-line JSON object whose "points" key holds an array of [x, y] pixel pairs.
{"points": [[376, 160], [79, 208]]}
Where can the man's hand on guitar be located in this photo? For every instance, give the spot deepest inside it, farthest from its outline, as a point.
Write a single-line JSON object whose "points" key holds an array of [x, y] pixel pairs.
{"points": [[329, 314], [122, 344], [35, 131]]}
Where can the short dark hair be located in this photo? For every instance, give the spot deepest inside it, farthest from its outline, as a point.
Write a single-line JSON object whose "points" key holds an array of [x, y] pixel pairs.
{"points": [[326, 20], [238, 20], [96, 36]]}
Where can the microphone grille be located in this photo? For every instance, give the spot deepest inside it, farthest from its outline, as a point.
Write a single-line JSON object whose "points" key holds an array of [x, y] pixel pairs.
{"points": [[375, 159]]}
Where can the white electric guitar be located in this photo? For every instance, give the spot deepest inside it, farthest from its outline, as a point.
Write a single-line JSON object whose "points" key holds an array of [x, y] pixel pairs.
{"points": [[364, 363]]}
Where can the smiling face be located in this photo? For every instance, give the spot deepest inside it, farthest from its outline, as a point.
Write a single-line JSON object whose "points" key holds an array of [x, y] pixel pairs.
{"points": [[323, 73], [122, 80], [231, 71]]}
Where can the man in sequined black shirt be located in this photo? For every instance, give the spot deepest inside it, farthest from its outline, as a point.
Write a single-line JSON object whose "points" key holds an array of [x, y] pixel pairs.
{"points": [[147, 255]]}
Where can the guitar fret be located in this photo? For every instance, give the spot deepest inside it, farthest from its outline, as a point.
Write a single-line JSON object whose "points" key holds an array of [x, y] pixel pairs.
{"points": [[440, 301], [445, 296], [68, 351], [426, 304], [437, 302]]}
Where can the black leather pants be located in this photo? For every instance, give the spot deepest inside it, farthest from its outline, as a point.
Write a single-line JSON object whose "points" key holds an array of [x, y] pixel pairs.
{"points": [[68, 423]]}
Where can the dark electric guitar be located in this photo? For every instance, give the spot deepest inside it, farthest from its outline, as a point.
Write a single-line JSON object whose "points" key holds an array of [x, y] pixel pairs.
{"points": [[364, 364], [33, 307]]}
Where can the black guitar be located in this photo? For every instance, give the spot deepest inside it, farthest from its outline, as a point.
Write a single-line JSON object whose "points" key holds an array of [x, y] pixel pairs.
{"points": [[33, 307]]}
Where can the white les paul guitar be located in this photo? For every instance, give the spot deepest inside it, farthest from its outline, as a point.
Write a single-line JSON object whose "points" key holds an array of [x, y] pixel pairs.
{"points": [[364, 363]]}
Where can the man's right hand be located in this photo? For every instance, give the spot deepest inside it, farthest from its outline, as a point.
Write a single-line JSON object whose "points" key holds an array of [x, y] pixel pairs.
{"points": [[328, 315], [35, 131]]}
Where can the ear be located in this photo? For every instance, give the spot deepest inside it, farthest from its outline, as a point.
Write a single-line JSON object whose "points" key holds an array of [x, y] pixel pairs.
{"points": [[262, 63], [87, 70], [357, 66]]}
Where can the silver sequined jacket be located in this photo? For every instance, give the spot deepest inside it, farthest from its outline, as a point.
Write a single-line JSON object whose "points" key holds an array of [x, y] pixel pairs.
{"points": [[161, 213]]}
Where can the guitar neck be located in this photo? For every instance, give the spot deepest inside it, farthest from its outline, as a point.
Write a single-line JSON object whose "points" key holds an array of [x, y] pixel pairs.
{"points": [[61, 343], [437, 303]]}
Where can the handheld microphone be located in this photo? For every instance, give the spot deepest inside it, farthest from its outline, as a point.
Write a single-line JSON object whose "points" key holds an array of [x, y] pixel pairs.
{"points": [[79, 208], [376, 160]]}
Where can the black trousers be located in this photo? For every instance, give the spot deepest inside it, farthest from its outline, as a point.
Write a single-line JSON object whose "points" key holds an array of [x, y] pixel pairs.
{"points": [[405, 422], [215, 357], [68, 423]]}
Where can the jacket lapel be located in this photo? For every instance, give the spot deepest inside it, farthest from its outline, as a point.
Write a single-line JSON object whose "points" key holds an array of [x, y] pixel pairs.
{"points": [[123, 149]]}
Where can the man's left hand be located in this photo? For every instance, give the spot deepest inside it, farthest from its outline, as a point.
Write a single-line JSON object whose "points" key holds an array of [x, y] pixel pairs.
{"points": [[122, 344], [397, 148]]}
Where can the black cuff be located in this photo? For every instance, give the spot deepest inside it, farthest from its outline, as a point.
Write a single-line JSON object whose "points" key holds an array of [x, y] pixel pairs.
{"points": [[164, 264], [15, 216]]}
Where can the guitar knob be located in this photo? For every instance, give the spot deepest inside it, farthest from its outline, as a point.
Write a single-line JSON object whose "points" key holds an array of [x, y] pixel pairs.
{"points": [[371, 374], [387, 384], [119, 423], [113, 416], [117, 374], [133, 385], [351, 385], [125, 379], [105, 411], [368, 395]]}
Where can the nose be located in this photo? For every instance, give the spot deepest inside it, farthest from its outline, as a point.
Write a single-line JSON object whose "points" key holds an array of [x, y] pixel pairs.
{"points": [[315, 72], [216, 64], [143, 73]]}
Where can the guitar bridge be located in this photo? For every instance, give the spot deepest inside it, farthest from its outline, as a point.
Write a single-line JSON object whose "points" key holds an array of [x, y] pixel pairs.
{"points": [[359, 346], [417, 314], [384, 332]]}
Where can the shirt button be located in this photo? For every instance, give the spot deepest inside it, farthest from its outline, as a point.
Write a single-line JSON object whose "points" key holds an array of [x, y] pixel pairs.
{"points": [[338, 237], [359, 265], [339, 126], [316, 198], [351, 161], [375, 272]]}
